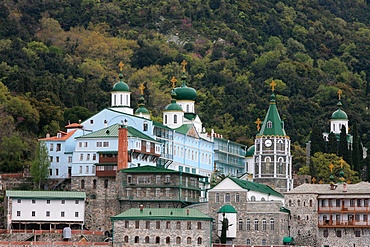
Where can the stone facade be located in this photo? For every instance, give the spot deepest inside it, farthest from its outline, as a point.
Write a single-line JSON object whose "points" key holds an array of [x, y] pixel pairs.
{"points": [[324, 215], [162, 227], [259, 222], [101, 200]]}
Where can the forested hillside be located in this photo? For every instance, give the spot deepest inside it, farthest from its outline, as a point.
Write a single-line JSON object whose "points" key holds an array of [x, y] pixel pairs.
{"points": [[59, 60]]}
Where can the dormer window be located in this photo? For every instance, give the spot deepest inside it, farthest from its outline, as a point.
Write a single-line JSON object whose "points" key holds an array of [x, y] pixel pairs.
{"points": [[145, 126], [269, 125], [175, 119]]}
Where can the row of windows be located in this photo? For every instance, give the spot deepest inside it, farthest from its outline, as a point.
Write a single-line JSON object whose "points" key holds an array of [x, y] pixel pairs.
{"points": [[147, 179], [342, 202], [339, 218], [227, 197], [87, 169], [88, 157], [338, 233], [189, 225], [157, 240], [47, 201], [58, 147], [47, 214], [256, 225], [310, 203]]}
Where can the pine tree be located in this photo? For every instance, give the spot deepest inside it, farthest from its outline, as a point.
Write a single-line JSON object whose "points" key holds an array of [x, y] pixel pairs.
{"points": [[343, 145], [356, 156], [332, 144], [40, 165], [317, 140]]}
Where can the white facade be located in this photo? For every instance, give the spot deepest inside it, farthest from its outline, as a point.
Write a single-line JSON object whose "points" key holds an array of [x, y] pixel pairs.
{"points": [[45, 206]]}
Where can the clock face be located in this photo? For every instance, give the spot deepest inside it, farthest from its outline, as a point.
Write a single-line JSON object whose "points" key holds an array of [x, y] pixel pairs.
{"points": [[268, 143]]}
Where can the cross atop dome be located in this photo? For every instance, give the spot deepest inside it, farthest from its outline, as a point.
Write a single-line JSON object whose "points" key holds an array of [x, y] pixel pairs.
{"points": [[258, 123], [273, 85], [142, 87], [339, 93], [173, 80], [120, 65], [183, 64]]}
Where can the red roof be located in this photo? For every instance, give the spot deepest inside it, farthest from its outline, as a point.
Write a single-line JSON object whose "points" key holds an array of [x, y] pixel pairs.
{"points": [[63, 136]]}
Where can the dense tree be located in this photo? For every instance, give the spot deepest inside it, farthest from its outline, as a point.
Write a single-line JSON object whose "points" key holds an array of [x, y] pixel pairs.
{"points": [[343, 145], [40, 165]]}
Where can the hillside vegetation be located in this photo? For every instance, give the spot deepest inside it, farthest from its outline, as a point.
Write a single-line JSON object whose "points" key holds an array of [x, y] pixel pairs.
{"points": [[59, 60]]}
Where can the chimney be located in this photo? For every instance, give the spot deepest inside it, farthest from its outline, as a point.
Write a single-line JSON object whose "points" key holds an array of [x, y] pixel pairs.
{"points": [[344, 187], [122, 148]]}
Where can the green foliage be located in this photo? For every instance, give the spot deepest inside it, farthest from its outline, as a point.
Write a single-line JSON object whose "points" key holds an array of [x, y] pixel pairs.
{"points": [[13, 151], [40, 165], [321, 161]]}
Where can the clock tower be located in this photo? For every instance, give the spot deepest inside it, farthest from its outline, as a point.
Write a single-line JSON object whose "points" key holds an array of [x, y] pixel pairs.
{"points": [[272, 156]]}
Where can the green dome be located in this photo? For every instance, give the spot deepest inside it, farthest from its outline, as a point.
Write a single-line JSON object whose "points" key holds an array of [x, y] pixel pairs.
{"points": [[142, 110], [339, 114], [121, 86], [227, 209], [250, 151], [173, 106], [184, 92]]}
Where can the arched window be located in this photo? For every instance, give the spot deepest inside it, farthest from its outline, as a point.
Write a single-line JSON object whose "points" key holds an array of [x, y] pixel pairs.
{"points": [[165, 119], [256, 224], [188, 240], [248, 224], [248, 241], [168, 240], [82, 184], [326, 233], [262, 199], [178, 240], [94, 184], [125, 239], [237, 197], [272, 224], [137, 239], [105, 183], [269, 125], [157, 240], [227, 197], [120, 98], [115, 100], [146, 240], [264, 223], [187, 108], [240, 224], [175, 119], [299, 203], [199, 240], [263, 241], [217, 197], [253, 198], [310, 203]]}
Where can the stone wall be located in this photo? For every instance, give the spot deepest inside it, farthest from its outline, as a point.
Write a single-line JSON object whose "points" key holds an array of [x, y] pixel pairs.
{"points": [[248, 210], [120, 232], [101, 201]]}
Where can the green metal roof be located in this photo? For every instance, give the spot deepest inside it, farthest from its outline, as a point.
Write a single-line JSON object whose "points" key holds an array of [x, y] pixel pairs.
{"points": [[184, 92], [173, 106], [339, 114], [183, 129], [250, 151], [256, 187], [227, 209], [190, 116], [272, 118], [44, 194], [155, 169], [112, 132], [158, 124], [162, 214]]}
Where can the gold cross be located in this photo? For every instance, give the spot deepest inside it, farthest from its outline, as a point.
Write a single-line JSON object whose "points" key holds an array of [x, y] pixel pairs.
{"points": [[339, 93], [183, 63], [321, 182], [331, 166], [173, 80], [258, 122], [142, 87], [313, 180], [120, 65], [273, 85]]}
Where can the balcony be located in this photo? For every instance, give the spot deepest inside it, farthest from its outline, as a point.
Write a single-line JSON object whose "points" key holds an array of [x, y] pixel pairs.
{"points": [[343, 223], [343, 209]]}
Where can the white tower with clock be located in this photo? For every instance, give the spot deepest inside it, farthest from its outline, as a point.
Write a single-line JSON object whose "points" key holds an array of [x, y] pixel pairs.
{"points": [[272, 156]]}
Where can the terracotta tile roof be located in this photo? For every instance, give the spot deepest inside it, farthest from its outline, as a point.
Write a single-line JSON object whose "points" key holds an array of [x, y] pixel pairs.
{"points": [[64, 136]]}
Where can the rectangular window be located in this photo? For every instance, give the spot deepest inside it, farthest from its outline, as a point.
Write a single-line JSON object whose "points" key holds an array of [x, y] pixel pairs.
{"points": [[88, 157], [19, 201], [85, 144], [337, 202], [87, 169], [33, 201], [357, 233], [105, 144], [144, 180], [51, 146], [69, 159], [62, 214], [94, 157], [126, 223], [157, 192], [99, 144], [47, 201], [47, 213], [80, 169], [76, 214], [168, 179], [147, 224], [57, 172], [158, 224], [80, 144], [129, 179], [357, 217], [77, 201], [168, 224], [59, 147], [227, 197], [81, 156], [51, 172], [57, 159], [137, 224], [51, 158], [352, 203], [63, 201], [18, 213], [33, 213], [364, 217], [158, 179]]}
